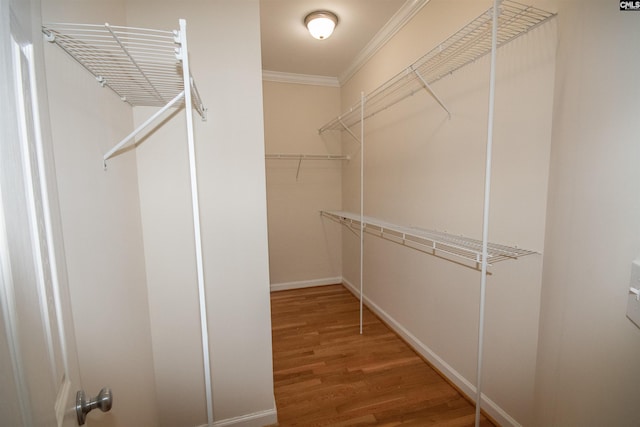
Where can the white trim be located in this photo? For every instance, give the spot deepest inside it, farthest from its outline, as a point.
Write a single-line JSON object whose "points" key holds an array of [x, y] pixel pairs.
{"points": [[8, 313], [256, 419], [395, 24], [306, 283], [61, 403], [498, 414], [303, 79]]}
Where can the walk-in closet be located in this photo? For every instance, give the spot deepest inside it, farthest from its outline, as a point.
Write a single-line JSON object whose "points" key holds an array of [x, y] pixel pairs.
{"points": [[400, 218], [214, 214], [412, 190]]}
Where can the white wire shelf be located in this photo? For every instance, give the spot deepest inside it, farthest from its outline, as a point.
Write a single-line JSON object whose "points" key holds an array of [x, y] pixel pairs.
{"points": [[301, 157], [469, 44], [142, 66], [435, 242], [305, 157]]}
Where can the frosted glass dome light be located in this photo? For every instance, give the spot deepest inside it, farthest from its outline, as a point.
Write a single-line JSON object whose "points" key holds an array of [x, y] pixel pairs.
{"points": [[321, 24]]}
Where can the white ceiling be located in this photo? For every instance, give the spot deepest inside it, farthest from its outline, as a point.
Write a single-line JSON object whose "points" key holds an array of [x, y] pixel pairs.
{"points": [[287, 46]]}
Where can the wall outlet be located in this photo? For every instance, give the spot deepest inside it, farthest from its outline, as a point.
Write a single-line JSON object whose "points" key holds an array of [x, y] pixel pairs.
{"points": [[633, 300]]}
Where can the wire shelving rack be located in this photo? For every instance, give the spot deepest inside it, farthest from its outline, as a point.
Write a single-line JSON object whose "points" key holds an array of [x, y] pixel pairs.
{"points": [[435, 242], [142, 66], [467, 45], [146, 67]]}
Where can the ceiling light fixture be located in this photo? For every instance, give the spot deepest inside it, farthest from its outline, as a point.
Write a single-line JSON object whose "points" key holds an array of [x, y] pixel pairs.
{"points": [[321, 23]]}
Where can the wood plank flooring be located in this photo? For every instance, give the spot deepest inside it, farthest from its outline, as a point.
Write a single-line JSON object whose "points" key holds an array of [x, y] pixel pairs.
{"points": [[327, 374]]}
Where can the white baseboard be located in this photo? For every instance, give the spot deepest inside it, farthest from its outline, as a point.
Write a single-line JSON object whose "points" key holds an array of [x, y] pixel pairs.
{"points": [[305, 283], [454, 376], [257, 419]]}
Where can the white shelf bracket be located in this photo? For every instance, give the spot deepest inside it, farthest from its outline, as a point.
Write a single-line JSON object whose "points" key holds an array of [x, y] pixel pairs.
{"points": [[140, 128], [199, 105], [430, 90], [183, 56], [298, 171], [49, 37], [177, 38], [349, 130]]}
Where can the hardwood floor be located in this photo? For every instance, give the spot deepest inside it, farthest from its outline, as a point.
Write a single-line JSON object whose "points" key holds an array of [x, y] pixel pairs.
{"points": [[327, 374]]}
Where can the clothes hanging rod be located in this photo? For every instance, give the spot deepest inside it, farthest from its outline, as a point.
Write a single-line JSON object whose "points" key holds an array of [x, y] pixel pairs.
{"points": [[467, 45]]}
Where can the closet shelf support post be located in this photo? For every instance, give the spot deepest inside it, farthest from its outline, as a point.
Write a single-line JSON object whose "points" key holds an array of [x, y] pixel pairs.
{"points": [[363, 101], [183, 55], [485, 213]]}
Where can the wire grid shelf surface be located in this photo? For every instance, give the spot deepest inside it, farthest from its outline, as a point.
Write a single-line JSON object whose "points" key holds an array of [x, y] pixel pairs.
{"points": [[434, 241], [142, 66], [465, 46]]}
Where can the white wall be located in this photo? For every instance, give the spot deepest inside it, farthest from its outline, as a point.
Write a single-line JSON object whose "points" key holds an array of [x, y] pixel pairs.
{"points": [[102, 228], [588, 372], [165, 205], [224, 47], [425, 170], [303, 248]]}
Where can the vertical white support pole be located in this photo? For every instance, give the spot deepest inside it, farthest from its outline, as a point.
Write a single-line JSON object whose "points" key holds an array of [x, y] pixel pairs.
{"points": [[361, 206], [184, 54], [485, 214]]}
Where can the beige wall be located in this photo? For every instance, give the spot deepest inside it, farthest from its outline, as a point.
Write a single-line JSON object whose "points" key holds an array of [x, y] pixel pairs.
{"points": [[423, 169], [224, 47], [588, 372], [303, 248], [165, 204], [102, 228]]}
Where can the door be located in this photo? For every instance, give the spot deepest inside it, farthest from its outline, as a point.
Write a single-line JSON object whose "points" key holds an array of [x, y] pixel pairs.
{"points": [[38, 363]]}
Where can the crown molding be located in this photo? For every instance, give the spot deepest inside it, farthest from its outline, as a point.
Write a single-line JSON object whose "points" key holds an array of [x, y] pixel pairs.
{"points": [[397, 21], [303, 79], [395, 24]]}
